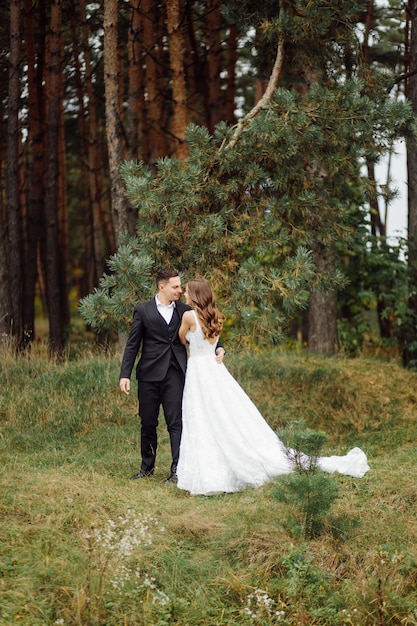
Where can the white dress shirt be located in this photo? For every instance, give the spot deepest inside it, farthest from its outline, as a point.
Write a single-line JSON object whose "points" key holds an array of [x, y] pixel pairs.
{"points": [[166, 310]]}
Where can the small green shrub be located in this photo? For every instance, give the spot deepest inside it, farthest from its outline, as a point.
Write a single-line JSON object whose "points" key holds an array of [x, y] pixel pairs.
{"points": [[307, 490]]}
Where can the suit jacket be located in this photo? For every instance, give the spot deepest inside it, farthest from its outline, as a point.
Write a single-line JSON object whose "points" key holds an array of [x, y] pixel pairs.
{"points": [[159, 342]]}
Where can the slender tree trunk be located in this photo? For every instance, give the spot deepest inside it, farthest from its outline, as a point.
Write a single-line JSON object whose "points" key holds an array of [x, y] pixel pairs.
{"points": [[97, 244], [377, 225], [6, 309], [113, 122], [135, 100], [154, 69], [88, 280], [229, 108], [179, 97], [197, 91], [166, 142], [54, 284], [136, 123], [135, 97], [62, 212], [13, 228], [213, 36], [409, 353], [412, 145], [34, 229], [153, 114]]}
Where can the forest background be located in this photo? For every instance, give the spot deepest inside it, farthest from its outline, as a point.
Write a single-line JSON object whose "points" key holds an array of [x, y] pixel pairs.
{"points": [[224, 138], [238, 140]]}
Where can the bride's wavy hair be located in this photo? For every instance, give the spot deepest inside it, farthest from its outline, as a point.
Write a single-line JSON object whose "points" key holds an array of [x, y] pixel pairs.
{"points": [[202, 296]]}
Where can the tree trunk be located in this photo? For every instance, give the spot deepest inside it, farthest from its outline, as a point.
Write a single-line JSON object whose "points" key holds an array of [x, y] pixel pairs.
{"points": [[412, 145], [157, 144], [14, 239], [6, 309], [95, 234], [377, 225], [409, 353], [52, 195], [34, 226], [62, 211], [87, 281], [197, 91], [179, 97], [114, 132], [135, 97], [229, 113], [322, 312], [213, 38]]}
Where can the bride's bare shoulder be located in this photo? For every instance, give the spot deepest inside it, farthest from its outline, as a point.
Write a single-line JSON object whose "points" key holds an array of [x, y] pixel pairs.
{"points": [[188, 316], [188, 320]]}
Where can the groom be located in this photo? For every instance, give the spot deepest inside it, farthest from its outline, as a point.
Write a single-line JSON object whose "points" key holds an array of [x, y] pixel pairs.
{"points": [[160, 370]]}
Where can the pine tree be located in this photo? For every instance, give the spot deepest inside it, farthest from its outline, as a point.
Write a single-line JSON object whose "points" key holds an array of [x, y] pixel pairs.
{"points": [[243, 216], [308, 491], [247, 211]]}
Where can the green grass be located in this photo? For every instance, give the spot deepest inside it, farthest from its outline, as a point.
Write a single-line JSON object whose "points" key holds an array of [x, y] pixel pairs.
{"points": [[80, 544]]}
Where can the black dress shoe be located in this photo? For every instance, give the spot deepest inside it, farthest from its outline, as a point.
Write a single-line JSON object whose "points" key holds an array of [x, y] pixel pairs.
{"points": [[172, 478], [141, 474]]}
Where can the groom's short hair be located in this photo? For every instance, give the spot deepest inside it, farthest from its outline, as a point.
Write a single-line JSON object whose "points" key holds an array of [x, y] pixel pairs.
{"points": [[165, 274]]}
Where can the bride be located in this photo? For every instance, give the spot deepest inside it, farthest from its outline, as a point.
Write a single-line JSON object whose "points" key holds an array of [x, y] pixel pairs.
{"points": [[226, 444]]}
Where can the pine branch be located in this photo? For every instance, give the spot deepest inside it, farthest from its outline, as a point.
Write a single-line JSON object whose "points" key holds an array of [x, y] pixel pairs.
{"points": [[272, 84], [403, 77]]}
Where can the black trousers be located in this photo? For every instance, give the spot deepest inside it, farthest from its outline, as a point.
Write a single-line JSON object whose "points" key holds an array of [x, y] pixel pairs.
{"points": [[152, 395]]}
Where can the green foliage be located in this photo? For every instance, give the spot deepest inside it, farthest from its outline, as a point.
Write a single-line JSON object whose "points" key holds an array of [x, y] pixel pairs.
{"points": [[351, 332], [130, 281], [308, 490], [301, 573], [406, 330], [317, 35], [248, 224], [298, 437], [400, 312], [311, 495], [247, 217], [375, 306]]}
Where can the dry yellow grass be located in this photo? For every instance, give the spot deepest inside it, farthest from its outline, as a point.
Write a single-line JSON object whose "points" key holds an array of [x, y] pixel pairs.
{"points": [[66, 457]]}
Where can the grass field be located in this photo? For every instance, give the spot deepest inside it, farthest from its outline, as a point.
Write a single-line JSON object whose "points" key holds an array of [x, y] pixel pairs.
{"points": [[83, 545]]}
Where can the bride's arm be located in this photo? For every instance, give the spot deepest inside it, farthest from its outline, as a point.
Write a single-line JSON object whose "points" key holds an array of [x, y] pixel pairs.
{"points": [[186, 323]]}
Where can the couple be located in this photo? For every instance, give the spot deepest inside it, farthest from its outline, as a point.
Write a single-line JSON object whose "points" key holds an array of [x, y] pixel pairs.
{"points": [[161, 368], [219, 440]]}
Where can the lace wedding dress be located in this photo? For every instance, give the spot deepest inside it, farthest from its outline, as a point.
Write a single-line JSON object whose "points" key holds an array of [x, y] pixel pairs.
{"points": [[226, 444]]}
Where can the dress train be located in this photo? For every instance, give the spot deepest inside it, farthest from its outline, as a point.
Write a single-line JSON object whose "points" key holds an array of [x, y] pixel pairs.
{"points": [[226, 444]]}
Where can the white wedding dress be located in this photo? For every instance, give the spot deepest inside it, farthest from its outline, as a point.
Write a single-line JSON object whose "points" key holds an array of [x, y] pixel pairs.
{"points": [[226, 444]]}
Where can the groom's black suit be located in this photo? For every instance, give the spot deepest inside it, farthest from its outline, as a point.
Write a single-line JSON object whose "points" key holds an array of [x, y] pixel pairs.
{"points": [[160, 373]]}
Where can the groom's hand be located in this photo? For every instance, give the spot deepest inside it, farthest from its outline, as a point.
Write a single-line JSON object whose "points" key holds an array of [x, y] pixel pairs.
{"points": [[124, 384], [220, 352]]}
